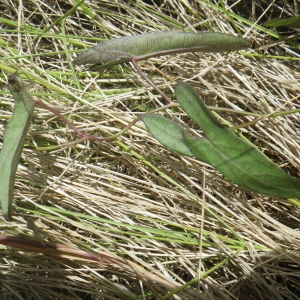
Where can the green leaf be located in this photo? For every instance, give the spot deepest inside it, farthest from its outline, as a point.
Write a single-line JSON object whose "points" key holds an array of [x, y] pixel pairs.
{"points": [[167, 132], [14, 138], [232, 156], [159, 43], [289, 22], [235, 158]]}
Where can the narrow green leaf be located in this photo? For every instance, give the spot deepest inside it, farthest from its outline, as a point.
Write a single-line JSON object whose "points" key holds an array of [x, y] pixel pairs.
{"points": [[167, 132], [289, 22], [86, 10], [13, 141], [159, 43], [232, 156]]}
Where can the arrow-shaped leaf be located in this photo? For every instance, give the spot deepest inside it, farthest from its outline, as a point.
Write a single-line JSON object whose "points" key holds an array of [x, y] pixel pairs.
{"points": [[159, 43], [236, 159]]}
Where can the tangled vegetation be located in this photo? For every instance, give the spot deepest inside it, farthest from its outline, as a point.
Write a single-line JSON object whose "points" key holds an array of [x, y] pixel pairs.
{"points": [[128, 218]]}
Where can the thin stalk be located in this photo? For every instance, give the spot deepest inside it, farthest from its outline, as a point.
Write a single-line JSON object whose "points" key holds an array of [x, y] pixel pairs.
{"points": [[164, 96]]}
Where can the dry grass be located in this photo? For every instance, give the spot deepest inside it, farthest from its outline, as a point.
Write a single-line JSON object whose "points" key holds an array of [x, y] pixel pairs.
{"points": [[132, 197]]}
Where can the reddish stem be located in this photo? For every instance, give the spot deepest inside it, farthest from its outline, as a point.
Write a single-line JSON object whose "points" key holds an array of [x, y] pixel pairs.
{"points": [[63, 118], [134, 61], [81, 136]]}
